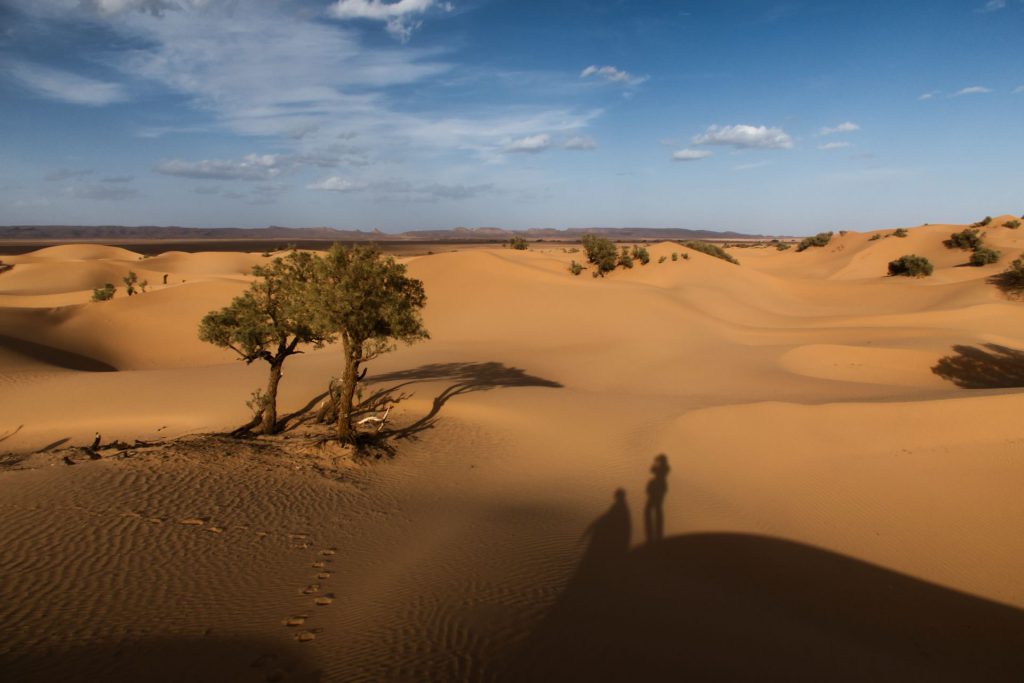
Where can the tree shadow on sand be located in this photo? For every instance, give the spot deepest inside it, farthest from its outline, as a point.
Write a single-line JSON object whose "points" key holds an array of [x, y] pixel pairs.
{"points": [[721, 606], [989, 366]]}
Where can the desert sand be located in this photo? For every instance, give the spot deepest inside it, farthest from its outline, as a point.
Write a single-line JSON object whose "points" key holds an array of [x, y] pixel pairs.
{"points": [[843, 500]]}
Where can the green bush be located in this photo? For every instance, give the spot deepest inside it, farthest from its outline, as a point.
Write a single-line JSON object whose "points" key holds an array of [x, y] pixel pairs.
{"points": [[686, 257], [843, 232], [1012, 224], [575, 267], [104, 293], [641, 255], [625, 259], [876, 236], [966, 239], [900, 232], [911, 265], [601, 252], [783, 246], [819, 240], [675, 256], [983, 256], [517, 242], [710, 250], [662, 259], [982, 223], [1012, 278]]}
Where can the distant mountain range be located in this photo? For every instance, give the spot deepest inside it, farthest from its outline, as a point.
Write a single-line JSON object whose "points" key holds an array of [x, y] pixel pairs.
{"points": [[66, 233]]}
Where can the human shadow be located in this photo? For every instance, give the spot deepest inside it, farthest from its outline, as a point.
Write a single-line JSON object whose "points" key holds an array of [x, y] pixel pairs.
{"points": [[210, 659], [729, 606], [989, 366], [654, 509]]}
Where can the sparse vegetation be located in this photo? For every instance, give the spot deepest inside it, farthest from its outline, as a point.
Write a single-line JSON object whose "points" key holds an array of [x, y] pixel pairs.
{"points": [[1012, 224], [983, 256], [686, 257], [877, 236], [819, 240], [641, 254], [662, 259], [711, 250], [131, 281], [911, 265], [518, 242], [982, 223], [783, 246], [675, 256], [601, 252], [966, 239], [843, 232], [900, 232], [575, 267], [104, 293], [625, 259], [1011, 280]]}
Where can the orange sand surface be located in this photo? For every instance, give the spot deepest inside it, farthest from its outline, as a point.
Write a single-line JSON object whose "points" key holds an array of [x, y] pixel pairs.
{"points": [[844, 495]]}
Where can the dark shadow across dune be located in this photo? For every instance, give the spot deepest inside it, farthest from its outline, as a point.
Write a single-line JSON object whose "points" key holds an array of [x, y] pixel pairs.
{"points": [[734, 607], [52, 356], [989, 366]]}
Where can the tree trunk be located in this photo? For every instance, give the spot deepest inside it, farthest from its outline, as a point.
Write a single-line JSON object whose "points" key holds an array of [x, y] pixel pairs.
{"points": [[349, 379], [269, 423]]}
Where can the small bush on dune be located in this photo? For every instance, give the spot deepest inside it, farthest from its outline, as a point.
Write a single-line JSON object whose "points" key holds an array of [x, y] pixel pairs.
{"points": [[819, 240], [686, 257], [783, 246], [625, 259], [675, 256], [1012, 279], [662, 259], [982, 223], [966, 239], [601, 252], [1012, 224], [575, 267], [710, 250], [104, 293], [983, 256], [900, 232], [517, 242], [875, 237], [911, 265], [641, 255]]}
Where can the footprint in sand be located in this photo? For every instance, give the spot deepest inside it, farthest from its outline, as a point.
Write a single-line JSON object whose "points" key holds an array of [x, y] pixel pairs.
{"points": [[319, 564], [327, 552], [156, 520], [261, 534], [306, 636], [311, 588], [215, 529], [295, 621], [323, 575], [324, 600], [195, 521]]}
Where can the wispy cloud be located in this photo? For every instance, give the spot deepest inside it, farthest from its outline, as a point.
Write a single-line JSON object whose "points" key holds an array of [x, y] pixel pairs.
{"points": [[403, 191], [972, 90], [845, 127], [65, 86], [250, 167], [397, 15], [1018, 90], [745, 136], [337, 184], [66, 174], [932, 94], [610, 74], [531, 144], [834, 145], [580, 142], [690, 154], [992, 6]]}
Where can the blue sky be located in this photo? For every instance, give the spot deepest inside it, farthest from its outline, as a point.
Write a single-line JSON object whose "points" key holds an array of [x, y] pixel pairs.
{"points": [[779, 117]]}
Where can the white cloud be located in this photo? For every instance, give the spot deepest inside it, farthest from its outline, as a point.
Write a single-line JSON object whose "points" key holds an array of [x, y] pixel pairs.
{"points": [[992, 6], [845, 127], [744, 136], [396, 14], [973, 90], [834, 145], [1018, 90], [690, 154], [612, 75], [250, 167], [579, 142], [531, 144], [336, 184], [930, 95], [64, 86]]}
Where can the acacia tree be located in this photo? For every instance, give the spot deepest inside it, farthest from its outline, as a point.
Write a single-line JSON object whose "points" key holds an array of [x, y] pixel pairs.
{"points": [[268, 322], [367, 299]]}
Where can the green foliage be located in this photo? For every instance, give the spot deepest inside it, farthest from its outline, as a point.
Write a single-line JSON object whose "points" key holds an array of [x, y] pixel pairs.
{"points": [[900, 232], [876, 236], [843, 232], [625, 259], [675, 256], [104, 293], [1012, 279], [911, 265], [686, 257], [983, 256], [130, 281], [601, 252], [982, 223], [518, 242], [641, 254], [662, 259], [575, 267], [711, 250], [1012, 224], [967, 239], [819, 240], [782, 246]]}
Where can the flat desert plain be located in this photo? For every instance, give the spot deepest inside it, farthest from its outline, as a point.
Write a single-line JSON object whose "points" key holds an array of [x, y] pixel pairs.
{"points": [[844, 458]]}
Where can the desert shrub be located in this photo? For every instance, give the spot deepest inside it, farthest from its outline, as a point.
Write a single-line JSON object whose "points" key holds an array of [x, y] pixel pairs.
{"points": [[876, 236], [104, 293], [575, 267], [686, 257], [783, 246], [517, 242], [966, 239], [1012, 279], [572, 250], [662, 259], [819, 240], [983, 256], [900, 232], [601, 252], [911, 265], [675, 256], [710, 250], [625, 258], [982, 223], [1012, 224], [843, 232], [641, 255]]}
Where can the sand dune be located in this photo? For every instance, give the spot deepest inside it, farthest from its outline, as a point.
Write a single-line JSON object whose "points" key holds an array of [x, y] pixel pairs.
{"points": [[825, 452]]}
